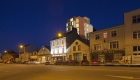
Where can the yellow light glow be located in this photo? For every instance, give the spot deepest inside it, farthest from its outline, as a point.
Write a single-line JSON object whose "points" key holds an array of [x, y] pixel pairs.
{"points": [[21, 46], [5, 51], [59, 34]]}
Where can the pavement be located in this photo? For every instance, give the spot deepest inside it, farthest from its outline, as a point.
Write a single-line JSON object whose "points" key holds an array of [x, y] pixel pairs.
{"points": [[61, 72]]}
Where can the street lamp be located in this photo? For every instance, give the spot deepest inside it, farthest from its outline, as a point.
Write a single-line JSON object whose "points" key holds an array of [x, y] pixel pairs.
{"points": [[5, 51], [59, 34], [21, 46]]}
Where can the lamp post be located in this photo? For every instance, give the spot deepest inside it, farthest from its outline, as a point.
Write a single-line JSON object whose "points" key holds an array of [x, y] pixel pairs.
{"points": [[21, 50]]}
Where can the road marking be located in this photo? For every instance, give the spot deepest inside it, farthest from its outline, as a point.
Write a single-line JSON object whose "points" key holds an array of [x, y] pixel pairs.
{"points": [[125, 77]]}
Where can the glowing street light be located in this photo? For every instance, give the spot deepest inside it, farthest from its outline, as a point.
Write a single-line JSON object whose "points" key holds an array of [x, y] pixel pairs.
{"points": [[59, 34], [21, 46], [5, 51]]}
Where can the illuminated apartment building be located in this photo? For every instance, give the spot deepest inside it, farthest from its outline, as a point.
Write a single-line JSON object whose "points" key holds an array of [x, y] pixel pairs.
{"points": [[82, 24]]}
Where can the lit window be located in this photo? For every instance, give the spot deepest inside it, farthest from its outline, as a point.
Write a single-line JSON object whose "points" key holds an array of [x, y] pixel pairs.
{"points": [[77, 25], [97, 36], [114, 44], [78, 29], [97, 46], [66, 24], [72, 23], [67, 29], [113, 33], [71, 19]]}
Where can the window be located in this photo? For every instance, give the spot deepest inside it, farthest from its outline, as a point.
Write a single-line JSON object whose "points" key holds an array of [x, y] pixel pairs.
{"points": [[84, 56], [136, 19], [77, 25], [79, 47], [74, 48], [136, 34], [66, 29], [71, 19], [66, 24], [78, 29], [136, 48], [113, 33], [72, 23], [62, 42], [97, 46], [58, 42], [97, 36], [114, 44]]}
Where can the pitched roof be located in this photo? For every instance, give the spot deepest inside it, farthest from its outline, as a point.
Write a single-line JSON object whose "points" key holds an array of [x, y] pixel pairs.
{"points": [[48, 47], [27, 45], [71, 37]]}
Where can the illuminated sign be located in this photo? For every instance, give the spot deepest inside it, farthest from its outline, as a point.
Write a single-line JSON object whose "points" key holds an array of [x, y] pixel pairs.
{"points": [[105, 34]]}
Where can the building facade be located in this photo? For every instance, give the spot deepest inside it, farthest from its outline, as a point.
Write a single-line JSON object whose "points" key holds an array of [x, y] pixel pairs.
{"points": [[9, 56], [60, 44], [82, 24], [78, 50], [119, 40], [26, 51], [132, 32], [43, 54], [108, 44]]}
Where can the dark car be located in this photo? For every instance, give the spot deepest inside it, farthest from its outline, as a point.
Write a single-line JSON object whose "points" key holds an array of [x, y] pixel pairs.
{"points": [[47, 63], [85, 63]]}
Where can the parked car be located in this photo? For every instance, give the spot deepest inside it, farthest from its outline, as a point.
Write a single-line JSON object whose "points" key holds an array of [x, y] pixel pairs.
{"points": [[33, 62], [85, 63], [94, 62], [47, 63], [109, 62]]}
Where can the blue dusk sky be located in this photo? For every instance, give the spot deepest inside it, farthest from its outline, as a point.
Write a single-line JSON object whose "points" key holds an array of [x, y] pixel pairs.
{"points": [[37, 21]]}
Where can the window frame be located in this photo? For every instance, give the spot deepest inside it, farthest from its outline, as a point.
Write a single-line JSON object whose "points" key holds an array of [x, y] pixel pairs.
{"points": [[97, 36], [97, 46], [74, 48], [113, 33], [114, 46], [136, 34], [136, 19], [79, 47]]}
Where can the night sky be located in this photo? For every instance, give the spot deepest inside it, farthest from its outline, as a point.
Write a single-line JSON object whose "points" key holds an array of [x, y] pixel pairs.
{"points": [[37, 21]]}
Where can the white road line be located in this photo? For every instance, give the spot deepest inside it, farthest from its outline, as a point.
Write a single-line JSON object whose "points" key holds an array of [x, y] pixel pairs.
{"points": [[125, 77]]}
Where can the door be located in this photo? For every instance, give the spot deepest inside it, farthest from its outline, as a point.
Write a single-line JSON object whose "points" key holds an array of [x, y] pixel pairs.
{"points": [[77, 56]]}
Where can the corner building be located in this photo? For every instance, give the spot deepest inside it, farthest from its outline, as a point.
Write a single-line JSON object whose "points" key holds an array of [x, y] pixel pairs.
{"points": [[115, 42], [132, 32]]}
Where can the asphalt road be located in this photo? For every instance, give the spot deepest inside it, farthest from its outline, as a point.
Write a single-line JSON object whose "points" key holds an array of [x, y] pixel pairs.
{"points": [[55, 72]]}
